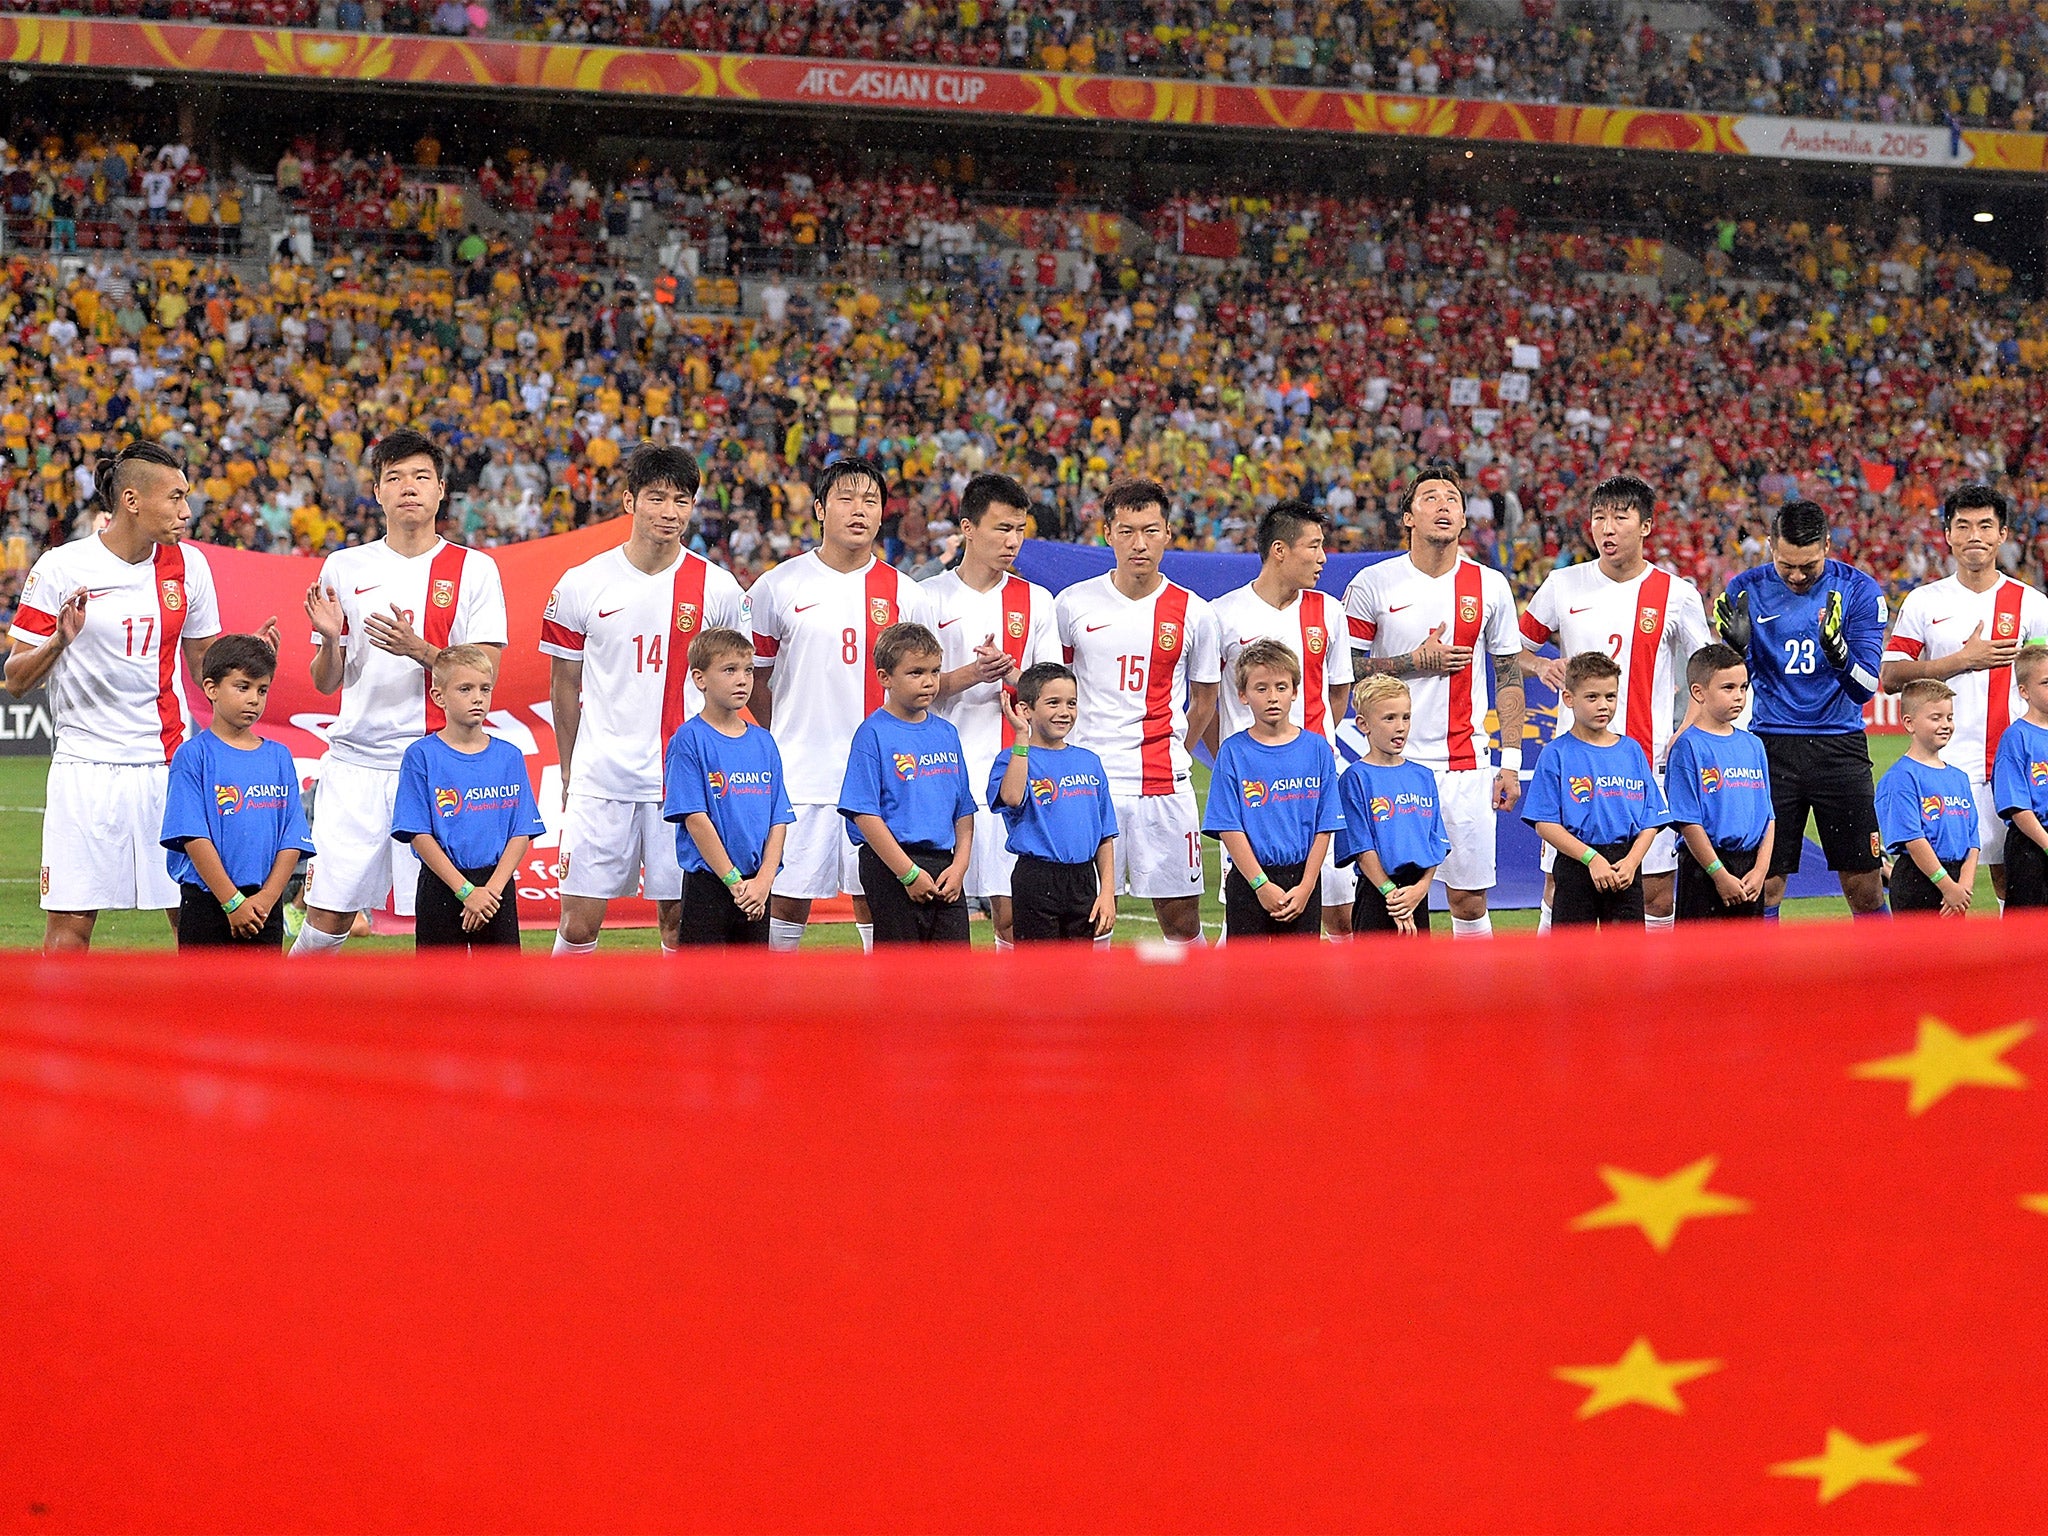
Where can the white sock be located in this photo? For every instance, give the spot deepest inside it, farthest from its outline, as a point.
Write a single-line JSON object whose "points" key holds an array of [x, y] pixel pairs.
{"points": [[867, 937], [1003, 945], [1543, 918], [783, 935], [1197, 942], [317, 941], [1472, 927], [1662, 924], [564, 947], [2001, 909], [1104, 942], [671, 949]]}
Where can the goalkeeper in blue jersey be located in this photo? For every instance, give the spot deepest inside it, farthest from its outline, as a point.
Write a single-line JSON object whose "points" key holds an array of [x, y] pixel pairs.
{"points": [[1812, 632]]}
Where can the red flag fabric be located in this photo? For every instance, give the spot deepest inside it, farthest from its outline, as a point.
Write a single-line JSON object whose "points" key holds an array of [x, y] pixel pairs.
{"points": [[1218, 238], [1741, 1230], [1877, 475]]}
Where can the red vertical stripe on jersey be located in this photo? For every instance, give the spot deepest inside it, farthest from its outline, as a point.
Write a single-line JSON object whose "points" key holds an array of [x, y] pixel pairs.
{"points": [[882, 611], [1644, 638], [1468, 618], [437, 625], [685, 620], [1155, 749], [2005, 623], [169, 569], [1315, 693], [1016, 635]]}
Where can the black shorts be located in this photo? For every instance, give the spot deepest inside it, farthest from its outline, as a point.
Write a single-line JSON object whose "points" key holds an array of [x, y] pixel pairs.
{"points": [[203, 925], [1913, 891], [1828, 776], [437, 915], [1697, 897], [2026, 870], [1051, 901], [1369, 912], [1575, 899], [1245, 918], [711, 916], [899, 920]]}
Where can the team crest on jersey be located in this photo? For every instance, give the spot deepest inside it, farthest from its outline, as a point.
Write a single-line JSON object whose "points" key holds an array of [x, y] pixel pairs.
{"points": [[174, 595], [227, 798], [1930, 807], [1045, 791], [1254, 792], [2038, 772], [1382, 808], [686, 617], [444, 593], [1580, 788], [1314, 640], [906, 765], [46, 879], [878, 612], [1015, 626], [562, 866], [1468, 610], [1646, 621], [715, 782], [448, 801], [1169, 634], [2008, 625], [1710, 780], [1876, 846]]}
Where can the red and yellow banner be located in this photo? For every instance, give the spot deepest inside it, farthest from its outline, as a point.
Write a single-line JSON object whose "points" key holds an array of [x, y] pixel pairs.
{"points": [[1738, 1229], [490, 63]]}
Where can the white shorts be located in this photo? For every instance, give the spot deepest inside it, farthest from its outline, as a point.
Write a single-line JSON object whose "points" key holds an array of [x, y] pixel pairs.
{"points": [[818, 858], [1990, 826], [1159, 845], [1339, 883], [103, 827], [356, 861], [606, 844], [1465, 796], [989, 860]]}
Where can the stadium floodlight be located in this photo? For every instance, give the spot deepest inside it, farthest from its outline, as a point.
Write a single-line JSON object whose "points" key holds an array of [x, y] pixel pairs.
{"points": [[1982, 216]]}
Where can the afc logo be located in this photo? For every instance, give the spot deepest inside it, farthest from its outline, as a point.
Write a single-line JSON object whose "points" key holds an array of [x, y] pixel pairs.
{"points": [[1382, 808], [227, 798], [174, 595], [1468, 610], [686, 617], [715, 782], [1254, 792], [1312, 637], [879, 613], [906, 765], [448, 802], [1580, 788], [1710, 779], [1169, 635], [1930, 807], [1646, 621], [1014, 626], [2038, 772], [444, 593], [1044, 791]]}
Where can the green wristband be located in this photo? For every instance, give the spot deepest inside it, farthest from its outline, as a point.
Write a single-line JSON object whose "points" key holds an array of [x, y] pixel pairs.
{"points": [[1715, 867], [909, 876], [732, 877], [464, 891], [1259, 881], [1387, 889], [1589, 856], [233, 902], [1938, 876], [1022, 749]]}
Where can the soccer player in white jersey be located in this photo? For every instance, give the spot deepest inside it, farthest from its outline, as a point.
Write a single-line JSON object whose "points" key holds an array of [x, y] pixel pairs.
{"points": [[1282, 603], [1966, 630], [816, 619], [1145, 654], [617, 630], [1431, 617], [1649, 621], [992, 624], [103, 622], [381, 613]]}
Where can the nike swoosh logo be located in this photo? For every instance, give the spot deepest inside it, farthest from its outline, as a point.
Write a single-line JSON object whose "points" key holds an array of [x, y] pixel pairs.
{"points": [[1765, 618], [605, 613], [1402, 609], [1944, 618], [361, 590], [803, 607], [1094, 627], [947, 623], [101, 592], [1576, 611]]}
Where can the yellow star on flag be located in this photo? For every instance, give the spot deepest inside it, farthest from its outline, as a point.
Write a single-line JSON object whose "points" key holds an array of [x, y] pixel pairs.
{"points": [[2038, 1204], [1848, 1462], [1659, 1206], [1637, 1377], [1942, 1061]]}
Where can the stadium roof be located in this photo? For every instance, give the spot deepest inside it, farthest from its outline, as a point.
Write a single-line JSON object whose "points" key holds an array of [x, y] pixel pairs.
{"points": [[742, 79]]}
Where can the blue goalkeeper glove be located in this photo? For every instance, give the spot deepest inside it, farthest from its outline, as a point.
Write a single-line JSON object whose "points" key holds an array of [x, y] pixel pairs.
{"points": [[1732, 623], [1833, 643]]}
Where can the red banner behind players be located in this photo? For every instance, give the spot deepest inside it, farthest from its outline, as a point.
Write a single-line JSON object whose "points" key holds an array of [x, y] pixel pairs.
{"points": [[1595, 1234]]}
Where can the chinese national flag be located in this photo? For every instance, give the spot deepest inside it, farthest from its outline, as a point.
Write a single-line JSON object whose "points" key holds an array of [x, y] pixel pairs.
{"points": [[1743, 1230]]}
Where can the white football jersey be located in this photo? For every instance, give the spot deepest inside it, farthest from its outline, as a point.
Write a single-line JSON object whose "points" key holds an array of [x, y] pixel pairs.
{"points": [[1013, 614], [1133, 661], [1313, 627], [1937, 620], [451, 595], [1392, 607], [816, 629], [114, 692], [632, 632], [1650, 624]]}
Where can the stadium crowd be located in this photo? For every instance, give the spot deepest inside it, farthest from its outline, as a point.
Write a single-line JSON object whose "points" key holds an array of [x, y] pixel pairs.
{"points": [[1975, 63], [1342, 343]]}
